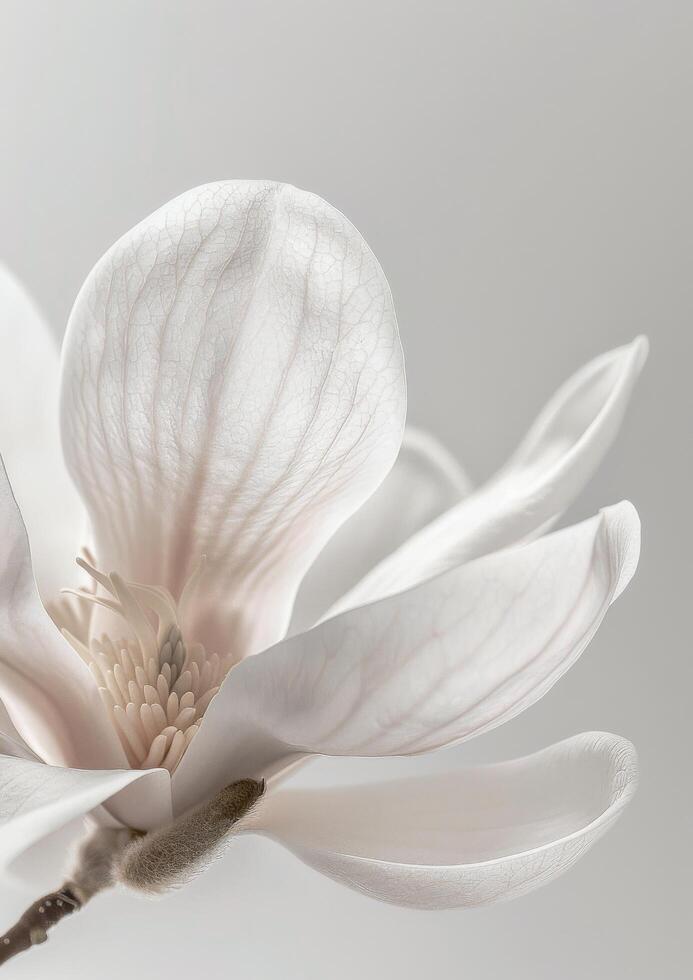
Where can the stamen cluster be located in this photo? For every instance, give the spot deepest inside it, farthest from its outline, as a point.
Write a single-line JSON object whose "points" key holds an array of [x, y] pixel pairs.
{"points": [[155, 687]]}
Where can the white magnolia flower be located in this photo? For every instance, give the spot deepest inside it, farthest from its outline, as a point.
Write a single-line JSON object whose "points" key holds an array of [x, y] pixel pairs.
{"points": [[272, 573]]}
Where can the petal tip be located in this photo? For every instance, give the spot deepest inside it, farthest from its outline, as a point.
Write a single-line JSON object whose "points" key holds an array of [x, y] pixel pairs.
{"points": [[640, 349], [622, 765], [622, 530]]}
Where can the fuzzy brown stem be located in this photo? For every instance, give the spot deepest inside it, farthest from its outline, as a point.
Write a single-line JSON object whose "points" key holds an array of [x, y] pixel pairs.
{"points": [[32, 928]]}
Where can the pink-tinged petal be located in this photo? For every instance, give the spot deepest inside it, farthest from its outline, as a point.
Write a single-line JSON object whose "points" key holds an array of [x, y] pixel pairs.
{"points": [[14, 747], [36, 799], [425, 481], [233, 387], [551, 466], [29, 437], [441, 663], [46, 688], [11, 742], [464, 839]]}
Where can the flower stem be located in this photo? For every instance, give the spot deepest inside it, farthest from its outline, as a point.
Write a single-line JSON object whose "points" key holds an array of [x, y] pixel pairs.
{"points": [[93, 873], [152, 862], [32, 928]]}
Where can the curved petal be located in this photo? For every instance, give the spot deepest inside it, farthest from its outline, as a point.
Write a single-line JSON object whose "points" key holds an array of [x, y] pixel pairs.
{"points": [[553, 463], [425, 481], [46, 688], [29, 437], [232, 387], [10, 741], [13, 747], [446, 661], [464, 839], [36, 799]]}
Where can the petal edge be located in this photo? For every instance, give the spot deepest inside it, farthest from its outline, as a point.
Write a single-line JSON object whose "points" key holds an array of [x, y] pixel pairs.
{"points": [[436, 837]]}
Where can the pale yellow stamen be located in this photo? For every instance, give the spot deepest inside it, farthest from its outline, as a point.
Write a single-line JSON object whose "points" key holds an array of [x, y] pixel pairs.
{"points": [[155, 687]]}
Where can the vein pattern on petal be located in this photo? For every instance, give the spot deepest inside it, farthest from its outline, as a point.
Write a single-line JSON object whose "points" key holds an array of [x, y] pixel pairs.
{"points": [[232, 387]]}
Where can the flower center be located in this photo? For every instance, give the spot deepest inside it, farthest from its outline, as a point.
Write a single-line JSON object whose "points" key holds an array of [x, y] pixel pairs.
{"points": [[155, 687]]}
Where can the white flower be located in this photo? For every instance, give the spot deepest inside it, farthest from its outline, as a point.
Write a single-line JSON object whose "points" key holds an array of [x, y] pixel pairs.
{"points": [[232, 411]]}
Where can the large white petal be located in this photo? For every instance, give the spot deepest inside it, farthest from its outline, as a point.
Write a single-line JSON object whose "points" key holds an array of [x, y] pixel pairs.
{"points": [[36, 799], [463, 839], [233, 386], [47, 689], [425, 481], [29, 437], [443, 662], [553, 463]]}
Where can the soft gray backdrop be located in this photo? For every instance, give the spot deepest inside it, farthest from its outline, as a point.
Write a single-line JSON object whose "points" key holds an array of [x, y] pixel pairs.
{"points": [[523, 172]]}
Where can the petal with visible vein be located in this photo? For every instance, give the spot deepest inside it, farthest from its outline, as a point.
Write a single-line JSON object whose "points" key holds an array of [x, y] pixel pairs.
{"points": [[36, 799], [441, 663], [232, 387], [463, 839], [551, 466]]}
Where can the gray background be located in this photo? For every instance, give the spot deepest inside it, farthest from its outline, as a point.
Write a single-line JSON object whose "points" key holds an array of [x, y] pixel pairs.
{"points": [[523, 171]]}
